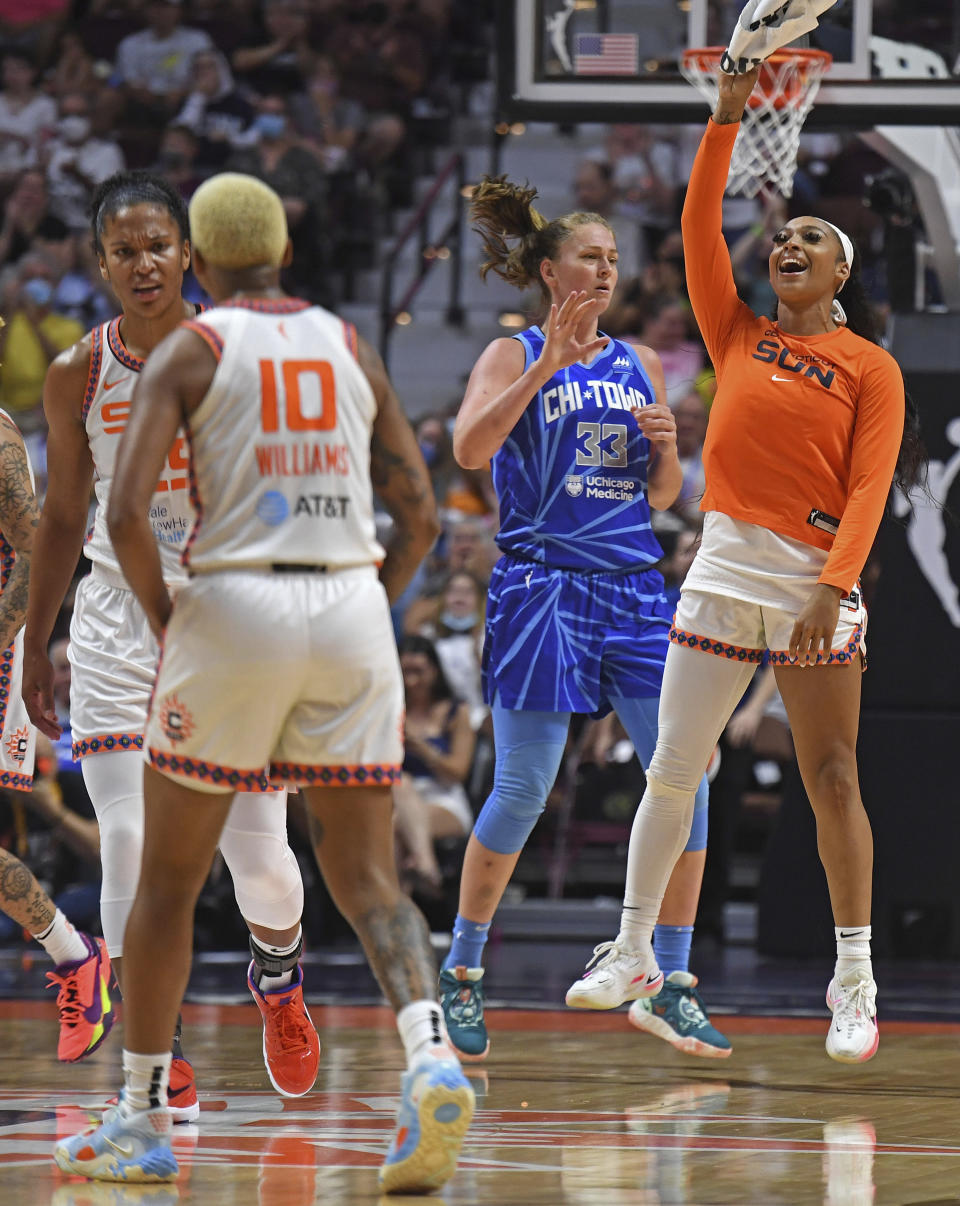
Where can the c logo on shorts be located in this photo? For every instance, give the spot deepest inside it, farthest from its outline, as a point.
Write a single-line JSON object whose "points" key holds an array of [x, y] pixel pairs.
{"points": [[17, 744], [175, 720]]}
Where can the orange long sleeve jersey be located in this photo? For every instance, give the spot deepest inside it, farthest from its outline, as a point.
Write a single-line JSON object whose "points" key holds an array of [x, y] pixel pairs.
{"points": [[799, 423]]}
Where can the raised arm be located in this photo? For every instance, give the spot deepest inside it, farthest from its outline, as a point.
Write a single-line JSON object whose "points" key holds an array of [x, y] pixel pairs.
{"points": [[172, 384], [401, 480], [499, 390], [710, 283], [60, 529]]}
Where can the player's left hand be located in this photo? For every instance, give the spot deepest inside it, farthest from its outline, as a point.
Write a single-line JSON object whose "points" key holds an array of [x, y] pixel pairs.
{"points": [[815, 625], [657, 423]]}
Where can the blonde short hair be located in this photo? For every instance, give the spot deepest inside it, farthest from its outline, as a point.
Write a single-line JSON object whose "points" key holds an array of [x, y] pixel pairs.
{"points": [[237, 221]]}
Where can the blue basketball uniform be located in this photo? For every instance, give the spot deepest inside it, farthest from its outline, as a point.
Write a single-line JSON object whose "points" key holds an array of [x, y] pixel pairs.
{"points": [[575, 614]]}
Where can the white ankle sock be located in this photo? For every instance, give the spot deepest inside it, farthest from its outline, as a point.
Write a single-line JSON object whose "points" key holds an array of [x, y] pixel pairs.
{"points": [[853, 950], [62, 942], [422, 1029], [145, 1080]]}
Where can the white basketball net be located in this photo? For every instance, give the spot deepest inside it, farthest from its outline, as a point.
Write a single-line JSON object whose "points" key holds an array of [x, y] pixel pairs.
{"points": [[766, 148]]}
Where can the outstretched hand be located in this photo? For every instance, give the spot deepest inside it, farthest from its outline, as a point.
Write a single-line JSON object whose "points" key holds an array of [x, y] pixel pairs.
{"points": [[562, 346], [734, 92]]}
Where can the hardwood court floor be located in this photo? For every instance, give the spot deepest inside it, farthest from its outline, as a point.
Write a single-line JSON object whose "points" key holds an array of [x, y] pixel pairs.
{"points": [[575, 1109]]}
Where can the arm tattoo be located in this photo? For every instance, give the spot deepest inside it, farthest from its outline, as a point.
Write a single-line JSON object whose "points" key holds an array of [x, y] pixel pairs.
{"points": [[21, 897], [19, 516], [386, 465]]}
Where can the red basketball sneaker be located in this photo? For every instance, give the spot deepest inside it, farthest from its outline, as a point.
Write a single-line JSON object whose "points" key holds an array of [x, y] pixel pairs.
{"points": [[291, 1049], [84, 1002], [182, 1091]]}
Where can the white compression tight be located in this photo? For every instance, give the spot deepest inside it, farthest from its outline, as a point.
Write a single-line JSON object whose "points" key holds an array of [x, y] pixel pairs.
{"points": [[699, 694], [266, 878]]}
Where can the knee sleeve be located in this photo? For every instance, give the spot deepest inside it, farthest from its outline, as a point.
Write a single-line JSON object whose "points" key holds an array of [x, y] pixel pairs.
{"points": [[265, 872], [529, 747], [114, 783]]}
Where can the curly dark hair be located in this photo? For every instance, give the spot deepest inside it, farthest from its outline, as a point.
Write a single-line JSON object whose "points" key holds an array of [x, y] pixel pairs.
{"points": [[123, 189]]}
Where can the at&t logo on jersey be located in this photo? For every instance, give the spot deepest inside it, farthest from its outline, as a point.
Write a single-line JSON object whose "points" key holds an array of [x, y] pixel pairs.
{"points": [[272, 508]]}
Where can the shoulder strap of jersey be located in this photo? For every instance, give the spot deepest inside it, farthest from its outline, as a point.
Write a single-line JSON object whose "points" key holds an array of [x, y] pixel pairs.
{"points": [[93, 370]]}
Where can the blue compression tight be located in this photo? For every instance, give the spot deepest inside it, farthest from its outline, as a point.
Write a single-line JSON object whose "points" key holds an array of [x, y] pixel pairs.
{"points": [[529, 749]]}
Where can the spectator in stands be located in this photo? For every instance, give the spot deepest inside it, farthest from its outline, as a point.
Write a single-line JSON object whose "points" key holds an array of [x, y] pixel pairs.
{"points": [[691, 416], [279, 159], [646, 171], [31, 26], [667, 329], [26, 114], [177, 159], [459, 492], [218, 114], [154, 67], [453, 620], [331, 124], [665, 275], [430, 801], [33, 335], [74, 68], [27, 217], [595, 191], [77, 160], [282, 59], [680, 548]]}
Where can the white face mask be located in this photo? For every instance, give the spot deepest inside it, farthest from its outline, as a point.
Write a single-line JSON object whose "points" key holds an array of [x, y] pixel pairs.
{"points": [[75, 128]]}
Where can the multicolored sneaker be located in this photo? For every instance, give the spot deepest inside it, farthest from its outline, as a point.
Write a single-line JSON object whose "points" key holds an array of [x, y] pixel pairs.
{"points": [[123, 1147], [853, 1037], [620, 975], [677, 1014], [436, 1107], [182, 1091], [84, 1002], [461, 999], [291, 1048]]}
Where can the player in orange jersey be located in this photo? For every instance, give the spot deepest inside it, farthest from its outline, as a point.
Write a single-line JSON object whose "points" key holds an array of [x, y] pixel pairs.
{"points": [[808, 430]]}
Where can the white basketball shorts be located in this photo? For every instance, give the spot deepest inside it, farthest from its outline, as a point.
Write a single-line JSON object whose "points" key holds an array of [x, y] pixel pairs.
{"points": [[743, 631], [113, 659], [295, 672]]}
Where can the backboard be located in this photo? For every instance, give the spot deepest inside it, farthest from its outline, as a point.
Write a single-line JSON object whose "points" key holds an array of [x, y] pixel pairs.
{"points": [[894, 63]]}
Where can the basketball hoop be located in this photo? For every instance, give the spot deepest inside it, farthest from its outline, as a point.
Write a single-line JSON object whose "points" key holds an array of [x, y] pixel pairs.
{"points": [[766, 148]]}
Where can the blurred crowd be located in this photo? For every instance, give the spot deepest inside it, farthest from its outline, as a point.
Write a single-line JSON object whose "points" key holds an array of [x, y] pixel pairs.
{"points": [[338, 104]]}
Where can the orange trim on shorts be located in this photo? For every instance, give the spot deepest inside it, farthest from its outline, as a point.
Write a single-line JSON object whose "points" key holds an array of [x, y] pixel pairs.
{"points": [[838, 657], [371, 774], [106, 743], [227, 777], [679, 636], [16, 781]]}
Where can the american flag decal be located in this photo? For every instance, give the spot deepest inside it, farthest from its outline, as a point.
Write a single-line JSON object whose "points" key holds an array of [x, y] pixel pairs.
{"points": [[606, 54]]}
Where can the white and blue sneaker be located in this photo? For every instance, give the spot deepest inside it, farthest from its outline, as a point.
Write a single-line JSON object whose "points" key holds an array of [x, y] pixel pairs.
{"points": [[126, 1147], [435, 1110], [678, 1015]]}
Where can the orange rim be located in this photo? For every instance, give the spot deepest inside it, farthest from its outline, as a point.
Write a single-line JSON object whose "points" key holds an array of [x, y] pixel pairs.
{"points": [[706, 59]]}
